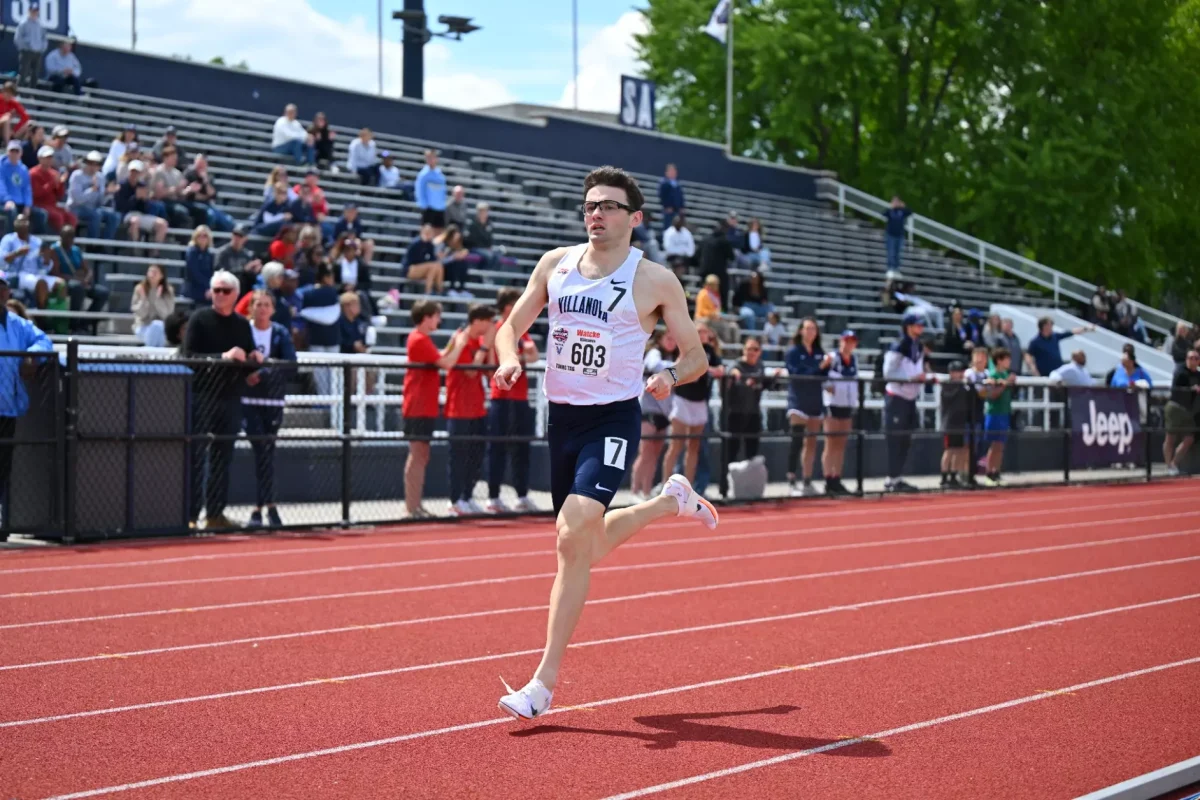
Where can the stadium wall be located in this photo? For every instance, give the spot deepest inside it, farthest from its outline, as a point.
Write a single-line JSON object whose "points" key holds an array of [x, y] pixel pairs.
{"points": [[557, 138]]}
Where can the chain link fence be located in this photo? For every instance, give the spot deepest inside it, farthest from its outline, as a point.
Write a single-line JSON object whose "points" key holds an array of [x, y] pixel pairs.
{"points": [[115, 445]]}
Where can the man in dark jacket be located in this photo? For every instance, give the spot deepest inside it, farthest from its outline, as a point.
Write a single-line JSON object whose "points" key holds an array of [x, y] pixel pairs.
{"points": [[670, 196], [715, 254], [896, 216], [263, 401]]}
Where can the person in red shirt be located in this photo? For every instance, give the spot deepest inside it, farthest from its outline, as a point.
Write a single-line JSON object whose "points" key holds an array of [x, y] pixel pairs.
{"points": [[509, 414], [320, 205], [420, 402], [48, 189], [465, 412], [14, 119], [283, 248]]}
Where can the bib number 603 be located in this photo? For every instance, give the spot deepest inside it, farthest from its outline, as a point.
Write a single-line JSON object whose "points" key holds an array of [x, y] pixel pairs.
{"points": [[586, 354]]}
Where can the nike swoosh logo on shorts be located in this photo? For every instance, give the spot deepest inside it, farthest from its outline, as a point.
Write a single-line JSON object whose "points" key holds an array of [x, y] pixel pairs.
{"points": [[602, 488]]}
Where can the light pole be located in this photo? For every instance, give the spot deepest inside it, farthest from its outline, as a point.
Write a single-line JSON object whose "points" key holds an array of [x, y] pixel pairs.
{"points": [[575, 49], [133, 26], [417, 35], [379, 23]]}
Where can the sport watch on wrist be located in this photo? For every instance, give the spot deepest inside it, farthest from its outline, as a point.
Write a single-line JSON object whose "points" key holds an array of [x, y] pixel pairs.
{"points": [[674, 377]]}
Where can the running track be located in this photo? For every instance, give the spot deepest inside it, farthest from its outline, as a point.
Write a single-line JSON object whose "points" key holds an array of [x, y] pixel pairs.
{"points": [[1043, 643]]}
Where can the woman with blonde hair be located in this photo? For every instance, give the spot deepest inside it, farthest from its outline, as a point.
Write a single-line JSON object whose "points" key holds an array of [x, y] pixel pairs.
{"points": [[199, 266], [153, 301], [278, 174]]}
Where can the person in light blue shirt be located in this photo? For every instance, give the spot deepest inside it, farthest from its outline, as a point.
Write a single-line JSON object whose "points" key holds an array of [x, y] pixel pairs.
{"points": [[30, 39], [430, 189], [22, 257], [1130, 373], [16, 193], [63, 67]]}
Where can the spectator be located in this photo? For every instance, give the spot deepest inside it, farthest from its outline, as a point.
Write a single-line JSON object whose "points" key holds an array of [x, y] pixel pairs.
{"points": [[167, 187], [1009, 341], [352, 273], [16, 334], [644, 239], [904, 371], [14, 119], [420, 401], [807, 362], [998, 413], [1181, 343], [132, 154], [351, 225], [1042, 355], [199, 267], [481, 240], [170, 138], [679, 245], [689, 410], [430, 191], [81, 282], [218, 334], [990, 334], [321, 308], [745, 383], [263, 402], [274, 214], [278, 175], [29, 151], [751, 301], [16, 192], [320, 205], [1102, 306], [734, 232], [16, 306], [234, 257], [362, 158], [960, 337], [116, 150], [896, 218], [956, 407], [85, 198], [1130, 373], [716, 252], [152, 304], [389, 173], [289, 138], [353, 324], [661, 353], [175, 329], [421, 262], [755, 255], [453, 254], [301, 208], [465, 413], [708, 310], [976, 378], [283, 247], [322, 138], [1182, 412], [200, 195], [48, 188], [773, 332], [270, 278], [63, 67], [841, 403], [64, 156], [670, 197], [21, 253], [509, 415], [456, 209], [1074, 372], [310, 255], [30, 39], [132, 202]]}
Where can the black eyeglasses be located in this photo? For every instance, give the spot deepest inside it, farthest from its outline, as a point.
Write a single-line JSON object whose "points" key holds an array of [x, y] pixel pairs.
{"points": [[607, 206], [222, 290]]}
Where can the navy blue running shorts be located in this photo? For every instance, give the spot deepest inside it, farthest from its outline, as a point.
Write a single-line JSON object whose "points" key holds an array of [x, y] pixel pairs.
{"points": [[591, 447]]}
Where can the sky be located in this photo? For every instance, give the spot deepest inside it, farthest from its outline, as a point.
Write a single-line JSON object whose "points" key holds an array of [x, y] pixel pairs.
{"points": [[521, 54]]}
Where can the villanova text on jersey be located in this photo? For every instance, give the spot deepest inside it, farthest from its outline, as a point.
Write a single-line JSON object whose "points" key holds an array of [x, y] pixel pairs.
{"points": [[576, 304]]}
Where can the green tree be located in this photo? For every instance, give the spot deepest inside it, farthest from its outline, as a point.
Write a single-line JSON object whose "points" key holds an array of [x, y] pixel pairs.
{"points": [[1061, 130], [220, 62]]}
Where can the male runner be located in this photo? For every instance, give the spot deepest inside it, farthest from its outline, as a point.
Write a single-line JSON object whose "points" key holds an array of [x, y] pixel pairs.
{"points": [[604, 301]]}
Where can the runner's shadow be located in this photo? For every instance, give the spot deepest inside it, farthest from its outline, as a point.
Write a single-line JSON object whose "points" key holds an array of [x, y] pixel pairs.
{"points": [[668, 730]]}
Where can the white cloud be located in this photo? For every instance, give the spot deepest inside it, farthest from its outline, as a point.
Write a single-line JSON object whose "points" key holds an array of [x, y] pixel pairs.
{"points": [[603, 59], [286, 38]]}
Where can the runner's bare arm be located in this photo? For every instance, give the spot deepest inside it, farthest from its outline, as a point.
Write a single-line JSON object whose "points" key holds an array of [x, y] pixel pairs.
{"points": [[693, 361], [528, 306]]}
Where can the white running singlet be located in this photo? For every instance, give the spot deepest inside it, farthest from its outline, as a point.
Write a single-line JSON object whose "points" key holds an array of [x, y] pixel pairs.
{"points": [[596, 341]]}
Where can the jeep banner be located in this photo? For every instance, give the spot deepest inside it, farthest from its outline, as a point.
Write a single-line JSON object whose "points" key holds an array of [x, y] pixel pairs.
{"points": [[1105, 428]]}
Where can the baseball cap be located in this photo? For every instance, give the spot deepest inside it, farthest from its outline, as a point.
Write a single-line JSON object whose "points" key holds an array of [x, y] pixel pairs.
{"points": [[131, 127], [14, 144], [849, 334], [291, 274], [386, 154], [913, 318], [60, 130], [170, 129], [956, 366], [241, 229], [45, 151], [94, 157], [349, 206], [138, 165]]}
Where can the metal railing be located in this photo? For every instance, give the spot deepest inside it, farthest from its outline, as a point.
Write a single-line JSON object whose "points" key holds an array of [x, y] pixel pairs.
{"points": [[1059, 284]]}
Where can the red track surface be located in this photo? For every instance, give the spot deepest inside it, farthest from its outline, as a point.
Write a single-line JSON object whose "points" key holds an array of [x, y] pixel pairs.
{"points": [[1035, 644]]}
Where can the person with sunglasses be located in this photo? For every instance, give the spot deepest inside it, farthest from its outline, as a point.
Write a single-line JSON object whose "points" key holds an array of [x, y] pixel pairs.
{"points": [[604, 301]]}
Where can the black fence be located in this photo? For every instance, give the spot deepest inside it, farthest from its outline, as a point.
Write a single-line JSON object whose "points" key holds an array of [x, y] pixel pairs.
{"points": [[113, 446]]}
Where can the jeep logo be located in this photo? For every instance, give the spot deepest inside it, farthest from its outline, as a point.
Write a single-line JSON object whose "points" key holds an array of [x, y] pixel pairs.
{"points": [[1108, 429]]}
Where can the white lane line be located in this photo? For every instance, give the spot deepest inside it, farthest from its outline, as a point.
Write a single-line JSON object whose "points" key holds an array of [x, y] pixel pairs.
{"points": [[547, 530], [543, 575], [545, 554], [633, 637], [347, 748], [599, 601], [894, 732]]}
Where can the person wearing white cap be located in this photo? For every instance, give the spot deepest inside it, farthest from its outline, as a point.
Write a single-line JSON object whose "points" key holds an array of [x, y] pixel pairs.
{"points": [[64, 156], [133, 203], [85, 197], [48, 190], [15, 192]]}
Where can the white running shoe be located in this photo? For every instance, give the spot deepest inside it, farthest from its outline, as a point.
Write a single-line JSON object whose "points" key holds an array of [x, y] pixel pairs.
{"points": [[496, 506], [1173, 471], [460, 509], [473, 507], [531, 701], [691, 503], [525, 506]]}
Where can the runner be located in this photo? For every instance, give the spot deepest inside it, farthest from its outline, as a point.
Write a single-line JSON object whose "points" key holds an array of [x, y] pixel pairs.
{"points": [[604, 300]]}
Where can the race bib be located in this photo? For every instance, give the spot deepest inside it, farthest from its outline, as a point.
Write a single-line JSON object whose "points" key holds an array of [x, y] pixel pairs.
{"points": [[580, 350]]}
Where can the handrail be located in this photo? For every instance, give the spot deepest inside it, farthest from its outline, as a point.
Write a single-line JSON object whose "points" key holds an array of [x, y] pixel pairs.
{"points": [[1060, 284]]}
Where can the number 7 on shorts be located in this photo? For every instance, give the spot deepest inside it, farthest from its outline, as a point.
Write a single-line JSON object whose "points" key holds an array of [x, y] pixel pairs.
{"points": [[614, 452]]}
